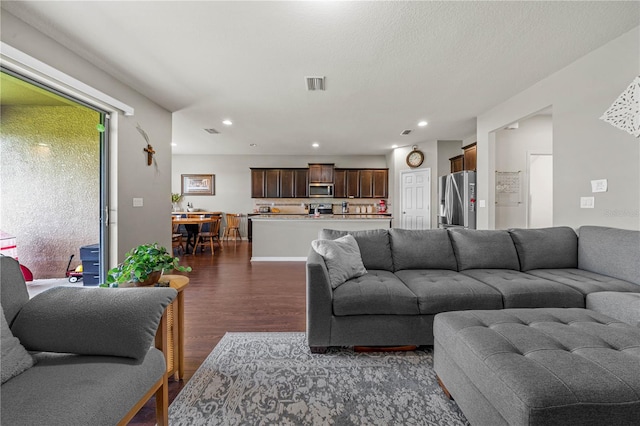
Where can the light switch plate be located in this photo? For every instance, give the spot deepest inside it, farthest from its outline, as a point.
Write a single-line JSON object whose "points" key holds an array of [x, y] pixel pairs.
{"points": [[138, 202], [482, 203], [587, 202], [599, 185]]}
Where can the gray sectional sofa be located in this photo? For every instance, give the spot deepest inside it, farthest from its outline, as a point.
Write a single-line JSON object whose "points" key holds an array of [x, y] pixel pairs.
{"points": [[414, 275]]}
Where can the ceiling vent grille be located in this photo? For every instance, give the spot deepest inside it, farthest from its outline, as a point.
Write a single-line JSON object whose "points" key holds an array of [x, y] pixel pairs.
{"points": [[315, 83], [406, 132], [212, 131]]}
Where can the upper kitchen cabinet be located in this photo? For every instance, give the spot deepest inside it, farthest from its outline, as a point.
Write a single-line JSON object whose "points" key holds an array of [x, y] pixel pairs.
{"points": [[374, 183], [457, 163], [258, 180], [347, 183], [321, 173], [279, 183], [301, 183], [470, 156], [294, 183]]}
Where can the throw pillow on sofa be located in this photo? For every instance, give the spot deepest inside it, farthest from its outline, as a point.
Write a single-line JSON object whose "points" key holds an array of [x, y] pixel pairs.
{"points": [[342, 257], [14, 358], [374, 245]]}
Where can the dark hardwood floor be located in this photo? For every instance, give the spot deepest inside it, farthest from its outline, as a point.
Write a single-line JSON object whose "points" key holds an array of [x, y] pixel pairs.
{"points": [[227, 292]]}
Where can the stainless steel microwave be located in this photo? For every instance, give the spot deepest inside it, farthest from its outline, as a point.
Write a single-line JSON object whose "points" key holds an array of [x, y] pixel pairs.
{"points": [[320, 190]]}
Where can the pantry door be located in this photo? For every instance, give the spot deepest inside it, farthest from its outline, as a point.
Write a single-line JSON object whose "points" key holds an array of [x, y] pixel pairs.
{"points": [[415, 195]]}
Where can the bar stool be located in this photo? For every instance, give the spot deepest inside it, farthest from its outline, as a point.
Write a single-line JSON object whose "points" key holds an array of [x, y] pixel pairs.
{"points": [[233, 226]]}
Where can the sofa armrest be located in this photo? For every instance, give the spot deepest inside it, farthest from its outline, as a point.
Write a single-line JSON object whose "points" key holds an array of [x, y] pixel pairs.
{"points": [[319, 301], [93, 321]]}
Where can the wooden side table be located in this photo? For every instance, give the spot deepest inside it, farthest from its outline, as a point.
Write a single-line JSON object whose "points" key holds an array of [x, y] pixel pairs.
{"points": [[175, 320]]}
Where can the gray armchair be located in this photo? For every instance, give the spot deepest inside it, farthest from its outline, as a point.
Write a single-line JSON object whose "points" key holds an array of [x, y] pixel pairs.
{"points": [[92, 349]]}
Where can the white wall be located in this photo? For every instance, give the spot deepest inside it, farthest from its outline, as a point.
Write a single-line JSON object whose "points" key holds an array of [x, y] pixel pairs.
{"points": [[233, 177], [447, 150], [133, 178], [533, 135], [584, 147]]}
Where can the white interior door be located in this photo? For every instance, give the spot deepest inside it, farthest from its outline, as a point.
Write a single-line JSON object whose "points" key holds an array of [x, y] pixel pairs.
{"points": [[540, 211], [415, 199]]}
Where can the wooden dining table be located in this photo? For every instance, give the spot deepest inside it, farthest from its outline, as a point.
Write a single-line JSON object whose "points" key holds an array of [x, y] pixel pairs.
{"points": [[195, 219]]}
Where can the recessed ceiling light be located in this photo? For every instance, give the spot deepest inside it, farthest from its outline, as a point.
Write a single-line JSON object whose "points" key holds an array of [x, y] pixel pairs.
{"points": [[227, 122], [315, 144], [43, 144], [394, 146], [174, 144], [422, 123]]}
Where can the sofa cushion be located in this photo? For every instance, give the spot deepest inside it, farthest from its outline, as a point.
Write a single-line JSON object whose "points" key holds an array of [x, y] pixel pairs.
{"points": [[521, 290], [376, 292], [342, 257], [65, 389], [421, 249], [374, 244], [14, 358], [486, 249], [555, 247], [610, 251], [441, 290], [584, 281], [93, 321], [621, 306]]}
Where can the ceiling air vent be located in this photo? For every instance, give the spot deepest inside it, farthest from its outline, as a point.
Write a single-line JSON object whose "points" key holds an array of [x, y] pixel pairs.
{"points": [[212, 131], [315, 83], [406, 132]]}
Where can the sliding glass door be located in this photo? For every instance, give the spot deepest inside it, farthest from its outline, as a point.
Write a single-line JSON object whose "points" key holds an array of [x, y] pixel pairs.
{"points": [[54, 179]]}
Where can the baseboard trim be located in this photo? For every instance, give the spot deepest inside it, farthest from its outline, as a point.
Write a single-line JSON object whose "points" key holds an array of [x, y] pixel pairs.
{"points": [[278, 259]]}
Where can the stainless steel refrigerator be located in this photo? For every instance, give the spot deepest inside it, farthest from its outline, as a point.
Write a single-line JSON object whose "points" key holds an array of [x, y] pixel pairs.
{"points": [[457, 200]]}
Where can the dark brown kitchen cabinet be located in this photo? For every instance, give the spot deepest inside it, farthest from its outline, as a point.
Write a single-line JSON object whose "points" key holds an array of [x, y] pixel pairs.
{"points": [[340, 183], [366, 183], [457, 163], [347, 183], [374, 183], [294, 183], [272, 183], [380, 183], [301, 185], [287, 183], [258, 180], [321, 173], [470, 156]]}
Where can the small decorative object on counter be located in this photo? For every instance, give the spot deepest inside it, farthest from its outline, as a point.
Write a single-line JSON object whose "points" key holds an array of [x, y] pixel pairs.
{"points": [[383, 207]]}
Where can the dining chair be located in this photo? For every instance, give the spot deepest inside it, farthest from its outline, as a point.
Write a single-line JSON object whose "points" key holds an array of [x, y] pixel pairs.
{"points": [[233, 226], [208, 234], [176, 238]]}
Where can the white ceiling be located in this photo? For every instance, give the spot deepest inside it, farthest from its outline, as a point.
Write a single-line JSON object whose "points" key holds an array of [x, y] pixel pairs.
{"points": [[387, 64]]}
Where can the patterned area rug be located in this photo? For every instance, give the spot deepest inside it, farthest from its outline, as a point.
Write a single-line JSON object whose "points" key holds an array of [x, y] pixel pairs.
{"points": [[272, 378]]}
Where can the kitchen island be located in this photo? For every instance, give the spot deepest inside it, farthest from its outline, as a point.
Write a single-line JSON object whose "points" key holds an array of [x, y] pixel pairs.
{"points": [[288, 237]]}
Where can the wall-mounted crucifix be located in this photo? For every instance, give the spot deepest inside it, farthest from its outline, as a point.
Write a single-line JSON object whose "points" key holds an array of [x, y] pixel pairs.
{"points": [[148, 149]]}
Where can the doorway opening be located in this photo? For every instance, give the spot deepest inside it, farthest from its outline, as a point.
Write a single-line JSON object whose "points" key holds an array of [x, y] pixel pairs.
{"points": [[54, 174], [524, 172], [415, 190]]}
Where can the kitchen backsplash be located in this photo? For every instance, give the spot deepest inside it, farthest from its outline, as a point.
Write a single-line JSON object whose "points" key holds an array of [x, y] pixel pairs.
{"points": [[300, 205]]}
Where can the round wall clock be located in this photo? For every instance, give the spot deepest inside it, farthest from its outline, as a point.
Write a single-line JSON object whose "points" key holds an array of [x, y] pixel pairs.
{"points": [[415, 157]]}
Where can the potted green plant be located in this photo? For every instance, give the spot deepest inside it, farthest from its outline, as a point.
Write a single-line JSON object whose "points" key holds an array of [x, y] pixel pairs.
{"points": [[175, 199], [143, 265]]}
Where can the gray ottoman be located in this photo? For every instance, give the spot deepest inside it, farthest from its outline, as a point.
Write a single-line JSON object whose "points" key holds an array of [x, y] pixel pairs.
{"points": [[621, 306], [539, 366]]}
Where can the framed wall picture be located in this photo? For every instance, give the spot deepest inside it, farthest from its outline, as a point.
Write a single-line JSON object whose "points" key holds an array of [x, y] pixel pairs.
{"points": [[198, 185]]}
